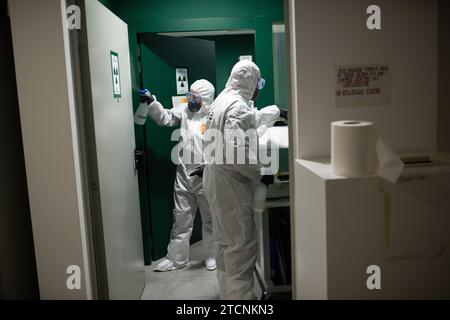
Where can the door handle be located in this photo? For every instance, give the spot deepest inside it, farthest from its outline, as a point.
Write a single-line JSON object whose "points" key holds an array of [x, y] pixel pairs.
{"points": [[139, 156]]}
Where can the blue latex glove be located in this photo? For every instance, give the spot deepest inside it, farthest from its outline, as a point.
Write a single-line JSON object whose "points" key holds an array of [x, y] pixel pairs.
{"points": [[146, 97]]}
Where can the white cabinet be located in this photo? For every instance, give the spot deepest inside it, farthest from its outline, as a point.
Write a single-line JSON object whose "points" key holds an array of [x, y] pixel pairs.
{"points": [[344, 225]]}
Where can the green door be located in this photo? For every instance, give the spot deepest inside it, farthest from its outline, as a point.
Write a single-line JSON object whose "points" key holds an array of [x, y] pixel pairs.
{"points": [[160, 57]]}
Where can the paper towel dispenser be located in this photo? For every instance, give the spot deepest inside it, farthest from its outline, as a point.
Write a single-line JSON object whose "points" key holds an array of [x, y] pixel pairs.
{"points": [[419, 160], [422, 165]]}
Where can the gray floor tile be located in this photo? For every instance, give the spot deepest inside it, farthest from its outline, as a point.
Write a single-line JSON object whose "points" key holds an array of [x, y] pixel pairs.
{"points": [[192, 283], [196, 270], [152, 276], [157, 291], [188, 289]]}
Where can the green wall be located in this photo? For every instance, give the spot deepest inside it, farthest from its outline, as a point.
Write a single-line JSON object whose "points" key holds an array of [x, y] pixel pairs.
{"points": [[147, 10], [200, 15], [147, 16], [228, 49]]}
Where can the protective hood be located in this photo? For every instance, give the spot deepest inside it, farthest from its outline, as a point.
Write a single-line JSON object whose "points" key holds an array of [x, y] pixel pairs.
{"points": [[244, 78], [205, 89]]}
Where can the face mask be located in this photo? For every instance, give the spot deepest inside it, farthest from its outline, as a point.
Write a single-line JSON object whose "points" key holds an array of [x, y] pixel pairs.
{"points": [[194, 106], [194, 101]]}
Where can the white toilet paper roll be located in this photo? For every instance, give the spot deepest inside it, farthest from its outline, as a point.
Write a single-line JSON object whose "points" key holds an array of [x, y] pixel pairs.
{"points": [[357, 150], [352, 148]]}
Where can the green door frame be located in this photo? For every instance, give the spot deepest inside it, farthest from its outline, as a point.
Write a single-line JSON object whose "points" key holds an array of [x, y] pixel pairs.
{"points": [[263, 58]]}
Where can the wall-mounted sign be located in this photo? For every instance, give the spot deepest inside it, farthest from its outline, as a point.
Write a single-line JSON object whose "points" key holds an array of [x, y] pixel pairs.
{"points": [[182, 80], [115, 71], [177, 100], [363, 85]]}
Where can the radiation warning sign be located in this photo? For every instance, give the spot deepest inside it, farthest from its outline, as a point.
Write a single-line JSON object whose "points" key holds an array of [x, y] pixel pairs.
{"points": [[115, 71], [363, 85], [182, 80]]}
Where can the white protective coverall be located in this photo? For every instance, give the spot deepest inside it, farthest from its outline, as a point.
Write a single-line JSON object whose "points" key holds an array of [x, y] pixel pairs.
{"points": [[229, 187], [188, 191]]}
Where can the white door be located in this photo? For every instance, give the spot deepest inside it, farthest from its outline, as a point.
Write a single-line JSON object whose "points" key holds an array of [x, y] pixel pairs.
{"points": [[113, 179]]}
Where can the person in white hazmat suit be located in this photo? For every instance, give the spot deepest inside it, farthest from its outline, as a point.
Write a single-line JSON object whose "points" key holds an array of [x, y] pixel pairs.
{"points": [[188, 190], [229, 187]]}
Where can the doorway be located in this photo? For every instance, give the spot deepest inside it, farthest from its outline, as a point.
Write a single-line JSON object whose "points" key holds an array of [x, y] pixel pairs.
{"points": [[206, 55], [158, 56], [161, 54]]}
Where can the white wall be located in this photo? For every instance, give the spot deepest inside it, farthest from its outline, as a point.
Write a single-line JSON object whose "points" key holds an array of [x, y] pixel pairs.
{"points": [[329, 32], [49, 145]]}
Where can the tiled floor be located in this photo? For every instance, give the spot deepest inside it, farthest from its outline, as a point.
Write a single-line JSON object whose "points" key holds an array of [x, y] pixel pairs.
{"points": [[191, 283]]}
